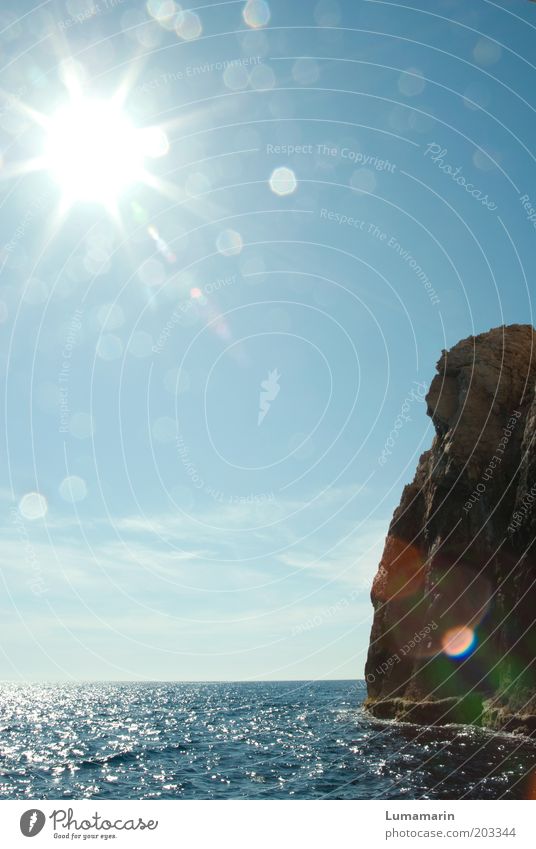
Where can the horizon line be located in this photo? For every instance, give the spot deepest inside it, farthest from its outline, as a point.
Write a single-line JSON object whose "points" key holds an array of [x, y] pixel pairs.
{"points": [[181, 681]]}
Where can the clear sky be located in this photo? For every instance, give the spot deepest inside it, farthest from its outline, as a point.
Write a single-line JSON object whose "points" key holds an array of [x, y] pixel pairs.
{"points": [[213, 373]]}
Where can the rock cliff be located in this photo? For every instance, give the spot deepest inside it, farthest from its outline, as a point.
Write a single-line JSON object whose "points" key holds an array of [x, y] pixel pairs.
{"points": [[454, 631]]}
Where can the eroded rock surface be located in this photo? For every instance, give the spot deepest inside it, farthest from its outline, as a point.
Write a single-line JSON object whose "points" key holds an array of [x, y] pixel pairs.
{"points": [[454, 632]]}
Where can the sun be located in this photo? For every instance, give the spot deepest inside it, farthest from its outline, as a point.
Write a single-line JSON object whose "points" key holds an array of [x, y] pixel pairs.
{"points": [[92, 148], [94, 152]]}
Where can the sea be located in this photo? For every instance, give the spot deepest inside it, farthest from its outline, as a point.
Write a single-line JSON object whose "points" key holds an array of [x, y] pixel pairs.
{"points": [[264, 740]]}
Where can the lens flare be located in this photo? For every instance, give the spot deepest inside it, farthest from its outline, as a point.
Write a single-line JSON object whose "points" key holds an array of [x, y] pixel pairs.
{"points": [[163, 12], [33, 506], [283, 181], [256, 13], [73, 488], [161, 245], [188, 25], [459, 642], [229, 243], [530, 786]]}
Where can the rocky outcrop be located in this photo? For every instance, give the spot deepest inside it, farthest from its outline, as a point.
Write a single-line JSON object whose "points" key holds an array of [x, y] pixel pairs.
{"points": [[454, 631]]}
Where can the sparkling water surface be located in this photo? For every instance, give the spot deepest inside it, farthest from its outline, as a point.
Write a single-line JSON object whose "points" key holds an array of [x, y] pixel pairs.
{"points": [[276, 740]]}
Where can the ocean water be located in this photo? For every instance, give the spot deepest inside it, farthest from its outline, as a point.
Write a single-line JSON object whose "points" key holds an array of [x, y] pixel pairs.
{"points": [[277, 740]]}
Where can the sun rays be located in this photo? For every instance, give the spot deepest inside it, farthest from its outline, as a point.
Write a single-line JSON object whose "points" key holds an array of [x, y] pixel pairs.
{"points": [[92, 149]]}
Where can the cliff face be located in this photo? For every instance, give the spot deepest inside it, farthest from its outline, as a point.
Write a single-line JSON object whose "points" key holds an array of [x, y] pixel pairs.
{"points": [[454, 631]]}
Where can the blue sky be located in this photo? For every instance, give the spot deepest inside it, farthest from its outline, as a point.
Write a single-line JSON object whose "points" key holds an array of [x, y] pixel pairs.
{"points": [[154, 526]]}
